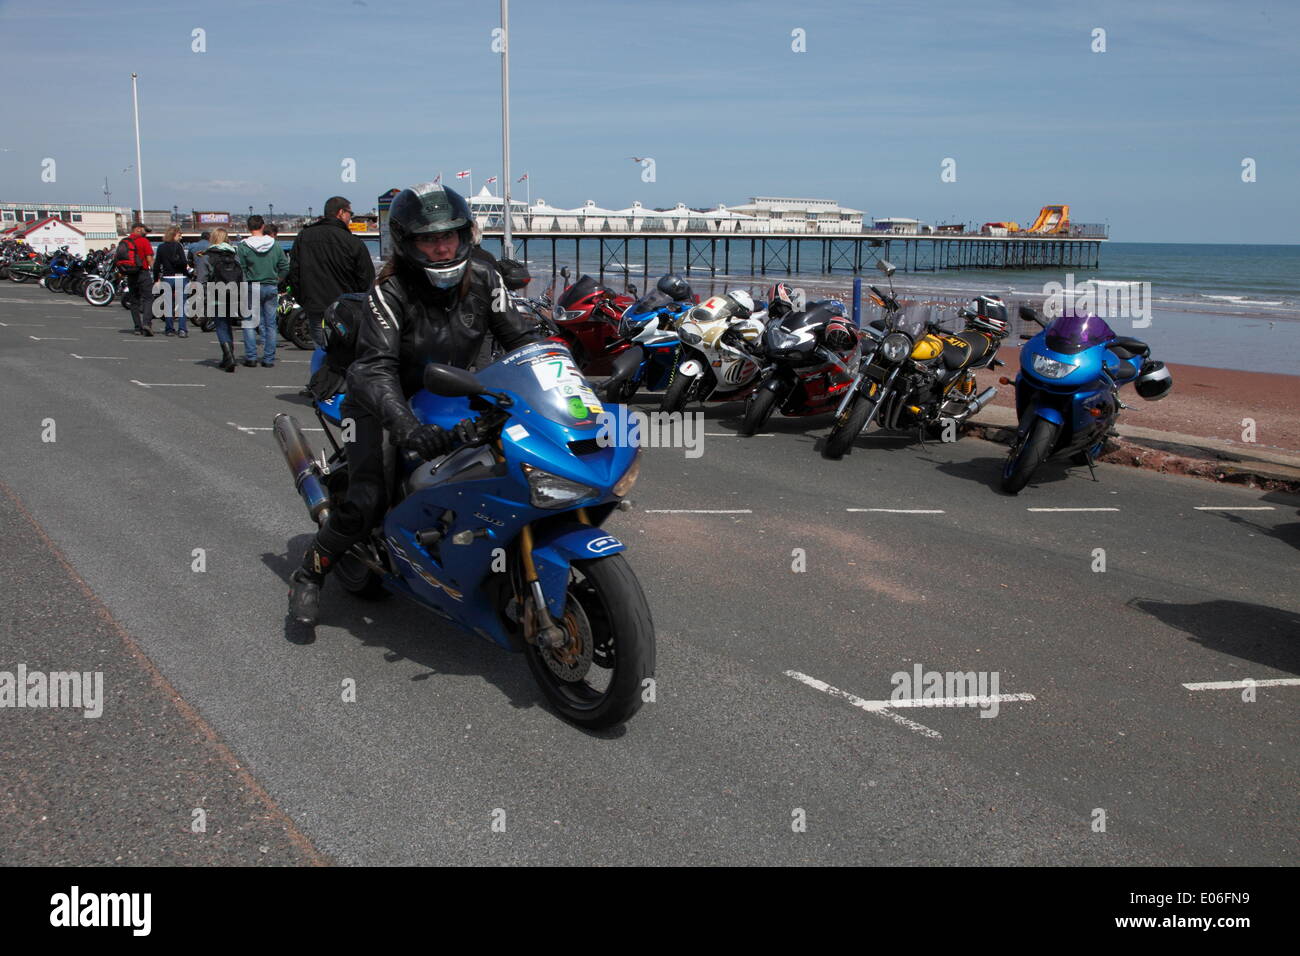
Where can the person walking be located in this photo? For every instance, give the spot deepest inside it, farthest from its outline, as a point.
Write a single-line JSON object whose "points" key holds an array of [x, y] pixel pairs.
{"points": [[134, 257], [264, 264], [223, 267], [170, 267], [327, 260], [197, 261]]}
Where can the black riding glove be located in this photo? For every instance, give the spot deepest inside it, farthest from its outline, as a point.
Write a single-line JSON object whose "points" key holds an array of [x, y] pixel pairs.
{"points": [[427, 441]]}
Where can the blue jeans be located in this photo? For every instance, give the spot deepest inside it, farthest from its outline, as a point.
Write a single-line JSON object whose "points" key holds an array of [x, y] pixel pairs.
{"points": [[268, 326], [174, 303]]}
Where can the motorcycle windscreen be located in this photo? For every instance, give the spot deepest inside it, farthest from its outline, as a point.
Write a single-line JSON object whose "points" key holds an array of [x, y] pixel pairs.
{"points": [[1072, 333], [547, 381], [911, 320]]}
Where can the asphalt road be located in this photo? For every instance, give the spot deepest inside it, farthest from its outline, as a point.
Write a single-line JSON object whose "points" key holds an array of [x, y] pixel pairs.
{"points": [[157, 453]]}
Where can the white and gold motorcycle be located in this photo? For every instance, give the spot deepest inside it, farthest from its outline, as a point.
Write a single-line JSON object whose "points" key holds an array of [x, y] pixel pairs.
{"points": [[720, 339]]}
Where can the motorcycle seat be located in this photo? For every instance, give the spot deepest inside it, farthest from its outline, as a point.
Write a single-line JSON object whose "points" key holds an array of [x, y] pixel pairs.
{"points": [[1128, 348], [965, 349]]}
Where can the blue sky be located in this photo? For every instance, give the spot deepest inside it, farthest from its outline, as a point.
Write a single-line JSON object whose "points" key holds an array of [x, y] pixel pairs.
{"points": [[1148, 136]]}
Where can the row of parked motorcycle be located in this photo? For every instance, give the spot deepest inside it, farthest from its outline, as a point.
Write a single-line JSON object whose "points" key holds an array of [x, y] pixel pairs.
{"points": [[901, 370], [94, 278]]}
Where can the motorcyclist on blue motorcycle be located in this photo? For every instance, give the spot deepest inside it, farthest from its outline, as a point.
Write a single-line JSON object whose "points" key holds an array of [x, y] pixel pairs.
{"points": [[433, 301]]}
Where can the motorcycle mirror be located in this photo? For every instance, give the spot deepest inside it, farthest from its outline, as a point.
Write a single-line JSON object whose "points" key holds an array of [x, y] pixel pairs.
{"points": [[885, 266], [1025, 338], [1029, 315], [564, 271], [631, 290], [451, 382]]}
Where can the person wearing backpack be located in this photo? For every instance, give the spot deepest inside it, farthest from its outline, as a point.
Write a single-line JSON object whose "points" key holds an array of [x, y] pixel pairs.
{"points": [[224, 267], [265, 264], [134, 259]]}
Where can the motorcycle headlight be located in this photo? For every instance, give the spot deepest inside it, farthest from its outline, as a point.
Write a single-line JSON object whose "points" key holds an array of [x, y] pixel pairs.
{"points": [[690, 333], [551, 491], [629, 477], [896, 347], [1050, 368]]}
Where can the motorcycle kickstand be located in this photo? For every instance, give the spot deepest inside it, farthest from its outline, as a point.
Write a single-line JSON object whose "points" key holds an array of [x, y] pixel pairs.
{"points": [[1091, 470]]}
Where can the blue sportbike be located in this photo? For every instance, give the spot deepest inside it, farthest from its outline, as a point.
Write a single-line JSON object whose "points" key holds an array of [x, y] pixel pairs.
{"points": [[1067, 392], [650, 360], [503, 536]]}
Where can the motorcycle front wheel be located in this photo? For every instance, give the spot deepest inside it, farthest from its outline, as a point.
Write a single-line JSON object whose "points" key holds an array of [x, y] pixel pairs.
{"points": [[1025, 457], [758, 409], [598, 679], [98, 292], [621, 393], [19, 277], [847, 427], [678, 394], [299, 327]]}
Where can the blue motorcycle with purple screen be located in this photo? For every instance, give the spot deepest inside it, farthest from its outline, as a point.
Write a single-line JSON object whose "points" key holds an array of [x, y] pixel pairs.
{"points": [[1067, 392], [503, 535]]}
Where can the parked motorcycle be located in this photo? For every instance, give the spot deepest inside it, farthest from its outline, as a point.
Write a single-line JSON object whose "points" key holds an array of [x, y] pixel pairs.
{"points": [[1067, 392], [585, 316], [292, 322], [503, 536], [917, 374], [647, 350], [716, 360], [809, 357]]}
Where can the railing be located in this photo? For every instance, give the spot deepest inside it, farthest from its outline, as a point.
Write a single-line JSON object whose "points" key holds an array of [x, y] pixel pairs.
{"points": [[698, 226]]}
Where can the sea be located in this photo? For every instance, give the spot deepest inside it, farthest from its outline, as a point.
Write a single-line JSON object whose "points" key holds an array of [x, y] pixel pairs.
{"points": [[1223, 306]]}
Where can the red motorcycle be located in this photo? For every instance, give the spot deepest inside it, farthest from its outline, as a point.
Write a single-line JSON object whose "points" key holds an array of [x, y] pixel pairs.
{"points": [[811, 358], [585, 317]]}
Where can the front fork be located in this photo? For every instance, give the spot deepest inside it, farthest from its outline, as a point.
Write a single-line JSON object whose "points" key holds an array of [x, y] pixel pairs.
{"points": [[549, 634]]}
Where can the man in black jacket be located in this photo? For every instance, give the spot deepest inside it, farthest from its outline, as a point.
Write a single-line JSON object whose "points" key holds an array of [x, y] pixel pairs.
{"points": [[434, 302], [327, 260]]}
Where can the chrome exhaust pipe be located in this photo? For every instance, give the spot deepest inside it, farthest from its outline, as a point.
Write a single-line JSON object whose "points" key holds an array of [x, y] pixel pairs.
{"points": [[980, 400], [306, 475]]}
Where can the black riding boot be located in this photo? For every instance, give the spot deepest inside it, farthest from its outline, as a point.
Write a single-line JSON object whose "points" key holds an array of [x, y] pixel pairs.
{"points": [[227, 358]]}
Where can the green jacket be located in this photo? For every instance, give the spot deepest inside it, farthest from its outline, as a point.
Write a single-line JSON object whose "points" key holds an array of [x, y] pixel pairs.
{"points": [[263, 260]]}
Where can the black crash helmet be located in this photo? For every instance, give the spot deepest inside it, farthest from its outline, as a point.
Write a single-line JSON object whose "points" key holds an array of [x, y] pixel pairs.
{"points": [[514, 274], [425, 210], [675, 287], [1154, 381], [988, 313]]}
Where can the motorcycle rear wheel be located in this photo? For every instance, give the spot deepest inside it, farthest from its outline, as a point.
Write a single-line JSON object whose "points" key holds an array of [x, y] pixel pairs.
{"points": [[299, 327], [356, 577], [606, 602], [1025, 458], [847, 427], [758, 409], [621, 393], [19, 277], [54, 283]]}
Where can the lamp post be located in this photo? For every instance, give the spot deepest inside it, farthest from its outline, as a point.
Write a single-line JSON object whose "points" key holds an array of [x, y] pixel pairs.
{"points": [[139, 175], [271, 211], [507, 245]]}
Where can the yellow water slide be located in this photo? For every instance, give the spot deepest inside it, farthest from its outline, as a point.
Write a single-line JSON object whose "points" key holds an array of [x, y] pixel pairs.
{"points": [[1051, 219]]}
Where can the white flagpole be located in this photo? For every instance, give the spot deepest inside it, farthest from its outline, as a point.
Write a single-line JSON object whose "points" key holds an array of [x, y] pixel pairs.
{"points": [[507, 243], [139, 173]]}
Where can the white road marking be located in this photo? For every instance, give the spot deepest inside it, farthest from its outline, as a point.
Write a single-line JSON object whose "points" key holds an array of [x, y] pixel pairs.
{"points": [[1241, 684], [115, 358], [250, 429], [885, 707], [51, 338], [1235, 508], [167, 384], [282, 386], [897, 511], [870, 706], [23, 325], [102, 327], [734, 435], [1073, 509], [697, 511]]}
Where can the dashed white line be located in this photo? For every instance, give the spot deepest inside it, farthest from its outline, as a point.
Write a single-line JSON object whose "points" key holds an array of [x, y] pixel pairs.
{"points": [[897, 511], [1235, 508], [167, 384], [698, 511], [282, 386], [734, 435], [51, 338], [114, 358], [1071, 509], [250, 429], [1241, 684]]}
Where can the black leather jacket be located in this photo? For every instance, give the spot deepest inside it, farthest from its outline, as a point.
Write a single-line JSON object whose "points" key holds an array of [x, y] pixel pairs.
{"points": [[411, 325]]}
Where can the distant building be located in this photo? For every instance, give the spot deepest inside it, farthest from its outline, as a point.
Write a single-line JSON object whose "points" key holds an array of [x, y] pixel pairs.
{"points": [[802, 215], [48, 234], [899, 226], [99, 225]]}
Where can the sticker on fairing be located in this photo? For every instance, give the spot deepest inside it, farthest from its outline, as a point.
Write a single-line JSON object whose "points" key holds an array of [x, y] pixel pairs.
{"points": [[556, 371], [601, 545], [517, 432], [577, 407]]}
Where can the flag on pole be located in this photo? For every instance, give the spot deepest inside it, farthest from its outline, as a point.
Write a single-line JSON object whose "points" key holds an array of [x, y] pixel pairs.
{"points": [[522, 178], [463, 173], [437, 179], [489, 181]]}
